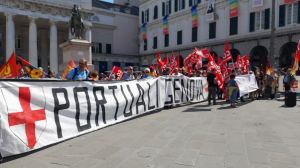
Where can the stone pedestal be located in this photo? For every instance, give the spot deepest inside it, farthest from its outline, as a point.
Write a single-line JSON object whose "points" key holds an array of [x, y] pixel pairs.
{"points": [[76, 49]]}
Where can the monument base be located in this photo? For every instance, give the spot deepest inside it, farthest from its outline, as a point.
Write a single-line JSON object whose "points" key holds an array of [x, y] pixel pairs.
{"points": [[76, 49]]}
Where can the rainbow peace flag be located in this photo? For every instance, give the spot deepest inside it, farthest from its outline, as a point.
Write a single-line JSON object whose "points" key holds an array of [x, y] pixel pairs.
{"points": [[144, 31], [194, 16], [233, 6], [166, 25]]}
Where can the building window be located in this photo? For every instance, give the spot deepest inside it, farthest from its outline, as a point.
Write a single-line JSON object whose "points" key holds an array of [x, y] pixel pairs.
{"points": [[281, 15], [252, 22], [108, 48], [233, 29], [166, 40], [267, 19], [163, 9], [154, 42], [289, 14], [145, 45], [194, 2], [100, 48], [179, 5], [155, 13], [179, 37], [194, 34], [292, 13], [93, 48], [143, 17], [259, 20], [147, 15], [166, 8], [212, 30], [19, 42]]}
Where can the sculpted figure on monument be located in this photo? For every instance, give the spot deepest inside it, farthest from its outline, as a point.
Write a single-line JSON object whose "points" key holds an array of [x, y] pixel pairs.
{"points": [[76, 23]]}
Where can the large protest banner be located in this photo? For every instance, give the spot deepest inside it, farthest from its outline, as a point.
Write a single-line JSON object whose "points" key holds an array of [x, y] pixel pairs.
{"points": [[35, 114]]}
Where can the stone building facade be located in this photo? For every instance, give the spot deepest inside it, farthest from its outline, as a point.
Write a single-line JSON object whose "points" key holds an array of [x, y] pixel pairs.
{"points": [[247, 29]]}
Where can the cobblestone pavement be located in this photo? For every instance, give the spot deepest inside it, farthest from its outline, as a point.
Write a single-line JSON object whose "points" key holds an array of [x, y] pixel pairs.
{"points": [[258, 134]]}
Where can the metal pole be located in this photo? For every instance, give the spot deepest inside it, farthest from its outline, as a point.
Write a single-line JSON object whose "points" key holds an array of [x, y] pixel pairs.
{"points": [[272, 38]]}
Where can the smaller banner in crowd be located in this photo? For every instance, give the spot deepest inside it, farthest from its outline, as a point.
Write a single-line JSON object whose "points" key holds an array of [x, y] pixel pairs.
{"points": [[247, 84], [116, 73]]}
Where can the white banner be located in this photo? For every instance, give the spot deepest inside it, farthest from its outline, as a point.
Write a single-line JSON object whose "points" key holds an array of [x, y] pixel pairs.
{"points": [[35, 114], [246, 83]]}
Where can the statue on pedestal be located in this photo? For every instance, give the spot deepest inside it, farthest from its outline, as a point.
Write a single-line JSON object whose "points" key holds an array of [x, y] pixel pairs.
{"points": [[76, 23]]}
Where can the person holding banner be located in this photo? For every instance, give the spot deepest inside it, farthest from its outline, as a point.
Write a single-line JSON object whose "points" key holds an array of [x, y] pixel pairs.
{"points": [[232, 90], [146, 74], [22, 74], [80, 72], [129, 74]]}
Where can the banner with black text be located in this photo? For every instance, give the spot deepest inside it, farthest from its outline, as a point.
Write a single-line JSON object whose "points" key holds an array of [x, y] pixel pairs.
{"points": [[34, 114]]}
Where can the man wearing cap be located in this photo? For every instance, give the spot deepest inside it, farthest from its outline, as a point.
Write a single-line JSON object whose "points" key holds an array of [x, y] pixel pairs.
{"points": [[146, 74]]}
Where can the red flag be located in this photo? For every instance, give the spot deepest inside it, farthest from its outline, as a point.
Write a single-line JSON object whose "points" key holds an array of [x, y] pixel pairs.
{"points": [[298, 51], [220, 61], [24, 62], [166, 60], [227, 54], [246, 64], [70, 66], [118, 72], [173, 63], [178, 60], [9, 69], [239, 63], [225, 71], [159, 61], [212, 65]]}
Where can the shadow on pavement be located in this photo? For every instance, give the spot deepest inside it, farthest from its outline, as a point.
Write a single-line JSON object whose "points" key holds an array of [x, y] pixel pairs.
{"points": [[197, 110], [202, 105], [237, 105]]}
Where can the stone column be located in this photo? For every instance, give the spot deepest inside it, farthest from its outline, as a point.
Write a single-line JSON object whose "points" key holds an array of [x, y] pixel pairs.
{"points": [[10, 35], [53, 47], [43, 49], [88, 37], [33, 54]]}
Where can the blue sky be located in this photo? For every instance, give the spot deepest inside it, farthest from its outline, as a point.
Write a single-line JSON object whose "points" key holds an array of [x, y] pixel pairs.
{"points": [[111, 1]]}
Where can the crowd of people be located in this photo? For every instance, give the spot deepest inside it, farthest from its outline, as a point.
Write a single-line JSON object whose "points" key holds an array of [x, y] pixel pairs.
{"points": [[267, 82]]}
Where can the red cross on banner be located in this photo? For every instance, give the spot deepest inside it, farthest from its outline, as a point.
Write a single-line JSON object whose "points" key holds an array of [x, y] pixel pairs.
{"points": [[27, 116]]}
